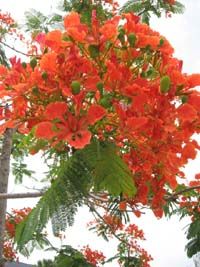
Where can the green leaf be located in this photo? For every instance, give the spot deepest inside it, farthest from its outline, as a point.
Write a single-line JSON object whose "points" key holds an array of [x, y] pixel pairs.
{"points": [[60, 201], [109, 171], [184, 99], [19, 170], [193, 246], [177, 8], [132, 39], [146, 18], [194, 229], [55, 18], [94, 51], [135, 6]]}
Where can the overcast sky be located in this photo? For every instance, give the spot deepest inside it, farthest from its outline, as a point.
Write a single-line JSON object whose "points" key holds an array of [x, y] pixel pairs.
{"points": [[165, 239]]}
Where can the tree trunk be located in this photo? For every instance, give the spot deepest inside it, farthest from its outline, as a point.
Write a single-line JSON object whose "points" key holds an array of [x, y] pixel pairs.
{"points": [[4, 174], [197, 260]]}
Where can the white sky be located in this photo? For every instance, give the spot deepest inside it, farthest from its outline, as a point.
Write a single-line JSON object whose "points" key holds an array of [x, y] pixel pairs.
{"points": [[165, 239]]}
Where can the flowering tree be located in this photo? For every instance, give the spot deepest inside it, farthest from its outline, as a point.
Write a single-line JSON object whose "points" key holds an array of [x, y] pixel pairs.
{"points": [[107, 101]]}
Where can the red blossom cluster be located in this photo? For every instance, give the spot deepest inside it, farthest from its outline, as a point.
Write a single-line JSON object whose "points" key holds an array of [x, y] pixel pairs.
{"points": [[12, 220], [133, 229], [113, 222], [115, 80], [9, 253], [7, 24], [132, 235], [191, 205], [129, 237], [6, 19], [93, 256]]}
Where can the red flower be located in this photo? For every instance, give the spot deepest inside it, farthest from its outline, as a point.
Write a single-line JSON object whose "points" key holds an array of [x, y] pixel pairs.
{"points": [[187, 112], [193, 80], [109, 29], [189, 151]]}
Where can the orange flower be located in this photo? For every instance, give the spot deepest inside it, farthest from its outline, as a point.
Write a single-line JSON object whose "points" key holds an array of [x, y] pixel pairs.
{"points": [[3, 70], [189, 151], [69, 128], [74, 27], [170, 2], [79, 139], [109, 29], [145, 40], [56, 110], [197, 176], [45, 130], [122, 205], [194, 100], [95, 113], [73, 19], [53, 39], [77, 33], [135, 123], [193, 80]]}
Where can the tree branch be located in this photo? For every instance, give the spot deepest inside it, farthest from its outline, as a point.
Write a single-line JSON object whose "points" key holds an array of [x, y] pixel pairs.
{"points": [[175, 195], [21, 195]]}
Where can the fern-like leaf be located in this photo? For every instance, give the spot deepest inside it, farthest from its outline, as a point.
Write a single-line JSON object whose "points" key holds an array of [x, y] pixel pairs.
{"points": [[109, 171], [98, 167], [177, 8], [63, 198], [135, 6]]}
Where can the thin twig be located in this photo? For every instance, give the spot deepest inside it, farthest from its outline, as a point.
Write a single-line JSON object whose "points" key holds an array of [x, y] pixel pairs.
{"points": [[98, 198], [16, 50], [91, 206]]}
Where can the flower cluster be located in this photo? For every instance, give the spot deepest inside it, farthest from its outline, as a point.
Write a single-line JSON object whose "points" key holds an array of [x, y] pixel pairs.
{"points": [[7, 24], [9, 253], [12, 220], [129, 237], [93, 256], [115, 80]]}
